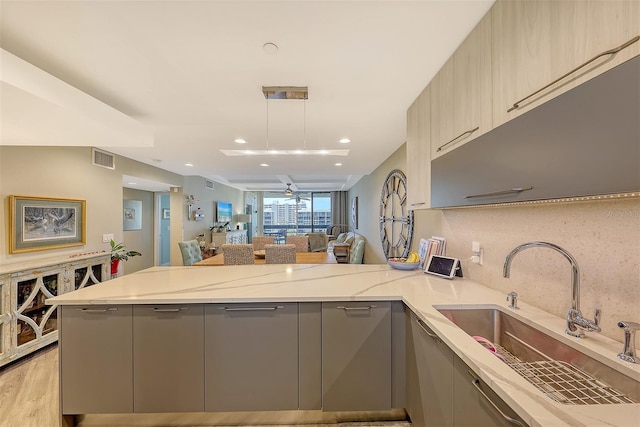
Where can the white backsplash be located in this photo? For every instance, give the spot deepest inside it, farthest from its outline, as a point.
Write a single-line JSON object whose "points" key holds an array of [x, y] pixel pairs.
{"points": [[603, 236]]}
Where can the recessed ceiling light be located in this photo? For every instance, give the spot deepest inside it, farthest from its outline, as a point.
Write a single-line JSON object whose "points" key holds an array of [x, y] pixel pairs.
{"points": [[189, 164], [345, 141], [239, 141], [132, 183], [338, 164], [264, 165]]}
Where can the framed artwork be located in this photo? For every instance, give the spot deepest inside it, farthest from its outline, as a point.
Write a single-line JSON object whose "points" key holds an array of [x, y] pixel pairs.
{"points": [[166, 213], [132, 215], [354, 212], [41, 223]]}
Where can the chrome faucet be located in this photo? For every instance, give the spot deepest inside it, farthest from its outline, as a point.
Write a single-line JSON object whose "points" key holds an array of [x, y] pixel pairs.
{"points": [[574, 316], [629, 350]]}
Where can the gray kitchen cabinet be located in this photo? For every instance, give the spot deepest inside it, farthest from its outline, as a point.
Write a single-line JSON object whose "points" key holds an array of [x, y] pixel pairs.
{"points": [[585, 142], [430, 399], [96, 359], [168, 358], [476, 404], [310, 355], [356, 356], [251, 357]]}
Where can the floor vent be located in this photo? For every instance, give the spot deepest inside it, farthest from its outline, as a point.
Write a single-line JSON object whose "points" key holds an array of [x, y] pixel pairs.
{"points": [[208, 184], [103, 159]]}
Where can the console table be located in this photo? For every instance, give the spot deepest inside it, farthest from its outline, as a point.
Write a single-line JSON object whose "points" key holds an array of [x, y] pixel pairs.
{"points": [[26, 323]]}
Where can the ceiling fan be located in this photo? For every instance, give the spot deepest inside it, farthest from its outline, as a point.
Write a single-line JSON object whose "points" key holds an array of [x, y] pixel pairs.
{"points": [[288, 191]]}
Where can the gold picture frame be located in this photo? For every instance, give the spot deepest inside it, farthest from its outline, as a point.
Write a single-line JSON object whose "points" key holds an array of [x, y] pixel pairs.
{"points": [[43, 223]]}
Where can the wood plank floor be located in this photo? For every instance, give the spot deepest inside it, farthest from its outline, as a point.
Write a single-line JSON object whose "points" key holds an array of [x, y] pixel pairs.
{"points": [[29, 398]]}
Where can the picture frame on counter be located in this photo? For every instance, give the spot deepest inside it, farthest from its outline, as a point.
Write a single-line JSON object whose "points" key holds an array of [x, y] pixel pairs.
{"points": [[43, 223]]}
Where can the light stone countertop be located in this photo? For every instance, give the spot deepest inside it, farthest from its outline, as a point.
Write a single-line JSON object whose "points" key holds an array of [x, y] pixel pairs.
{"points": [[419, 291]]}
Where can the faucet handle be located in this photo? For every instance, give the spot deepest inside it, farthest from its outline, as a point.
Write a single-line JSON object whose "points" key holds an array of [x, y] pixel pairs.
{"points": [[596, 316], [512, 297]]}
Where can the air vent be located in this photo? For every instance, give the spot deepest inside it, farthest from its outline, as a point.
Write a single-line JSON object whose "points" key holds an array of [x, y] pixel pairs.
{"points": [[103, 159], [208, 184]]}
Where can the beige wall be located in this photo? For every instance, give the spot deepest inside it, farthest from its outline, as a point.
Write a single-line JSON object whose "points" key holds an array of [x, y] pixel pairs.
{"points": [[603, 236], [205, 200], [67, 172], [140, 240], [368, 189]]}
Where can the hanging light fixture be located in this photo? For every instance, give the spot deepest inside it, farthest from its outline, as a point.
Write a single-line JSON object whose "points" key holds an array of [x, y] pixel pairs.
{"points": [[286, 92], [288, 191]]}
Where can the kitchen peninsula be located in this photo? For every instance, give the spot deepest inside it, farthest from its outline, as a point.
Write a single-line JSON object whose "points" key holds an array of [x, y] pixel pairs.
{"points": [[295, 308]]}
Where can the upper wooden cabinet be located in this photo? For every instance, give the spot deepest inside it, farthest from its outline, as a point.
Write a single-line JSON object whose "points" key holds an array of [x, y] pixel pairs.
{"points": [[461, 93], [418, 152], [535, 43]]}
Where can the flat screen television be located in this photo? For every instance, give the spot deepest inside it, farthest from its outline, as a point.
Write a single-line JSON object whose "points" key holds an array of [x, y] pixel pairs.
{"points": [[223, 212]]}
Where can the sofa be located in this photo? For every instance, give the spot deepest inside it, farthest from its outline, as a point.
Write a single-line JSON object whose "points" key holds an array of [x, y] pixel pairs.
{"points": [[357, 243]]}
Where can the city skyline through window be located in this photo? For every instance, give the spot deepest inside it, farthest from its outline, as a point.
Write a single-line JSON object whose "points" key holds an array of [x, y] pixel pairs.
{"points": [[299, 214]]}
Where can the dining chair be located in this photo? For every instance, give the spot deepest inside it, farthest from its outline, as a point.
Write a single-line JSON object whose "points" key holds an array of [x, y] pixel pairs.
{"points": [[301, 242], [280, 254], [260, 241], [241, 254], [191, 252]]}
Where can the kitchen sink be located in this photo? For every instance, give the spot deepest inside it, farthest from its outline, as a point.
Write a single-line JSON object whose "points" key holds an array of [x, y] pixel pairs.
{"points": [[563, 373]]}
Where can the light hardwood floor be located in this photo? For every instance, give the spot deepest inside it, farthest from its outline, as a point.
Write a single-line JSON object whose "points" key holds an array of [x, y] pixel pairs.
{"points": [[29, 398]]}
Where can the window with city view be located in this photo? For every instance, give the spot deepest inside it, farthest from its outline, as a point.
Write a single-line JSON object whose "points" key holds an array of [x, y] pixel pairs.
{"points": [[298, 214]]}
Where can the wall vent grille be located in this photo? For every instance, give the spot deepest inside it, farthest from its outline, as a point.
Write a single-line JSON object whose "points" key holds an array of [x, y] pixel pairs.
{"points": [[103, 159], [208, 184]]}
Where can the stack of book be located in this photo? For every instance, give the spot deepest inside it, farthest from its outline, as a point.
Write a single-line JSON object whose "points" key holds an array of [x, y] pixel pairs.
{"points": [[433, 246]]}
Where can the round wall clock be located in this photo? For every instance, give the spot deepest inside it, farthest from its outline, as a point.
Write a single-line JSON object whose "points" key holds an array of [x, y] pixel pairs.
{"points": [[396, 220]]}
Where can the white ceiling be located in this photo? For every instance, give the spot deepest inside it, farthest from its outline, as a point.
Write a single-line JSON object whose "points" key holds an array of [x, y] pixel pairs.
{"points": [[192, 73]]}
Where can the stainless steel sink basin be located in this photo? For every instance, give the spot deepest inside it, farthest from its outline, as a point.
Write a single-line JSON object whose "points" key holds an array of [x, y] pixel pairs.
{"points": [[560, 371]]}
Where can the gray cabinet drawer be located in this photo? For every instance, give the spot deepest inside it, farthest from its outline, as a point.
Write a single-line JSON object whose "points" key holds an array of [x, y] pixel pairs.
{"points": [[356, 356], [168, 358], [251, 357], [96, 359]]}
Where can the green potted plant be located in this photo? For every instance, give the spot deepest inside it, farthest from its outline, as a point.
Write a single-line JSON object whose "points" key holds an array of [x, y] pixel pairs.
{"points": [[118, 253]]}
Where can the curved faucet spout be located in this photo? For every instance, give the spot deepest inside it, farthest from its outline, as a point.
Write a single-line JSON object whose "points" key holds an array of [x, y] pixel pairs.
{"points": [[575, 272], [574, 317]]}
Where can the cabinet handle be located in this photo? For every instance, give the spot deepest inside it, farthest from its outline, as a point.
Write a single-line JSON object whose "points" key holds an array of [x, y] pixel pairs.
{"points": [[469, 132], [426, 331], [605, 53], [476, 384], [169, 310], [96, 310], [500, 193], [342, 307], [251, 308], [418, 204]]}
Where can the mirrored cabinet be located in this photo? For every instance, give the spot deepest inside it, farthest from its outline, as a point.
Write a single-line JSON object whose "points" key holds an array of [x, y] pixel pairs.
{"points": [[27, 323]]}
